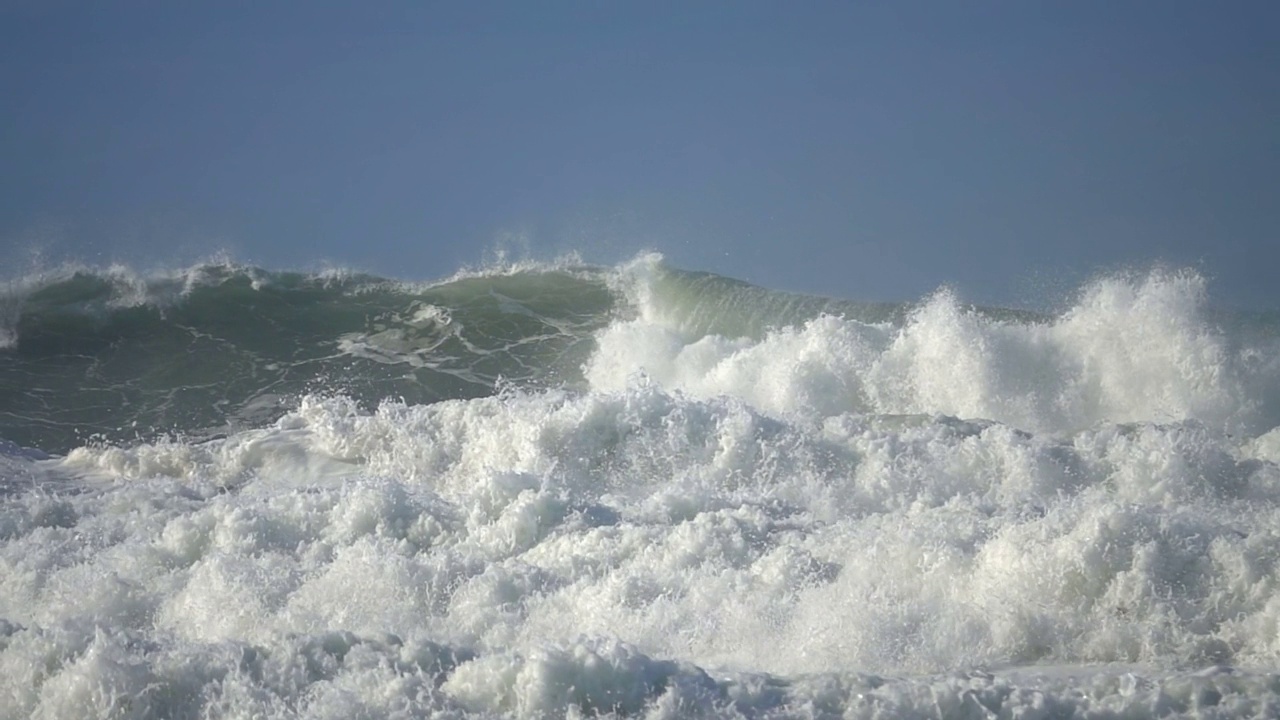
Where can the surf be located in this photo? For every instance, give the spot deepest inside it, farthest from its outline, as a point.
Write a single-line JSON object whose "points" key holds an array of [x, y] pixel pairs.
{"points": [[565, 489]]}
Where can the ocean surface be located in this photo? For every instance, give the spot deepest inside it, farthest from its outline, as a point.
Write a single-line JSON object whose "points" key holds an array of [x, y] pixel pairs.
{"points": [[562, 490]]}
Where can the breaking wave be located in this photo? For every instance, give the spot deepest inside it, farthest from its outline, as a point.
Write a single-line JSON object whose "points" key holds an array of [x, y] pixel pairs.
{"points": [[566, 490]]}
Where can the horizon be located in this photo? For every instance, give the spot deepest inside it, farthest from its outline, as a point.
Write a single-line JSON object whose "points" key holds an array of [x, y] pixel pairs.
{"points": [[869, 153]]}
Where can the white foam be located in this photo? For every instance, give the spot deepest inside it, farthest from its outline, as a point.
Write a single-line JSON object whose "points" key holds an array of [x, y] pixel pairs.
{"points": [[1131, 349], [410, 337], [956, 517]]}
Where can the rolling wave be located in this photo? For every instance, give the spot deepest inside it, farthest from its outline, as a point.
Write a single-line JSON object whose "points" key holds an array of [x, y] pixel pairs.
{"points": [[564, 490], [114, 356]]}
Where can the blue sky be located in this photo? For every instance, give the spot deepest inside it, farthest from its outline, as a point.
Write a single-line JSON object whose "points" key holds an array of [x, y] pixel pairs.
{"points": [[866, 150]]}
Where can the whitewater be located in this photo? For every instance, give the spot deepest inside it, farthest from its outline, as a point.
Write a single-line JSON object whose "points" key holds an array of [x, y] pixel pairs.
{"points": [[565, 490]]}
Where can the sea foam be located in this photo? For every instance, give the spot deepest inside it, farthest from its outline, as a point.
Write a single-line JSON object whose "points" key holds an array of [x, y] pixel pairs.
{"points": [[1130, 349], [954, 513]]}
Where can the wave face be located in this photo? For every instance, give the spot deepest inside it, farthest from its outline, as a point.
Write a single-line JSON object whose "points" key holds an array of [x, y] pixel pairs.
{"points": [[564, 490], [114, 356]]}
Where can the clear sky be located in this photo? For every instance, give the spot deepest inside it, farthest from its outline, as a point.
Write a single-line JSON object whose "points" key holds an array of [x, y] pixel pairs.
{"points": [[872, 150]]}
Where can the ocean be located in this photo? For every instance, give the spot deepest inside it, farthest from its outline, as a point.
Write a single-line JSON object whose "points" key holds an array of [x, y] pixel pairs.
{"points": [[565, 490]]}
